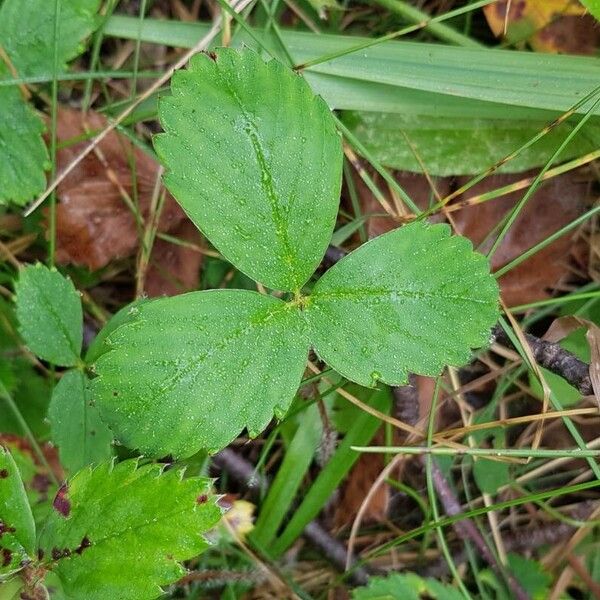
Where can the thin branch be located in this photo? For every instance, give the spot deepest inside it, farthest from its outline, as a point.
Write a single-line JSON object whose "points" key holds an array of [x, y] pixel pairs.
{"points": [[333, 550], [520, 540], [466, 530], [556, 359]]}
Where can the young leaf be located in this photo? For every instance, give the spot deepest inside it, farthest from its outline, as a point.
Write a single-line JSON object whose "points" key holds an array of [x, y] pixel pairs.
{"points": [[17, 529], [23, 156], [190, 372], [81, 436], [409, 301], [121, 532], [490, 476], [253, 157], [531, 575], [50, 315]]}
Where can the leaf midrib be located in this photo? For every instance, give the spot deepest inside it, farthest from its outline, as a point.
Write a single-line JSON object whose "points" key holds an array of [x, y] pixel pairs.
{"points": [[364, 294], [281, 230]]}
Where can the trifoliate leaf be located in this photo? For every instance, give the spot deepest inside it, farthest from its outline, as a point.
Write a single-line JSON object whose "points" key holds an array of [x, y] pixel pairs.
{"points": [[253, 157], [23, 154], [17, 529], [122, 532], [81, 436], [462, 145], [27, 39], [410, 301], [50, 315], [190, 372]]}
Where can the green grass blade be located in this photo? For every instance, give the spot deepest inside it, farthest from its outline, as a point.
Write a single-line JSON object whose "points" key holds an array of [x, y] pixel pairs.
{"points": [[439, 29], [399, 76], [297, 459], [363, 428]]}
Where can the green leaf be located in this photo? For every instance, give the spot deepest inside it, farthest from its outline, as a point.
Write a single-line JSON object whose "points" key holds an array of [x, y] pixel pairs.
{"points": [[36, 478], [17, 529], [34, 21], [253, 157], [50, 315], [490, 476], [81, 436], [121, 532], [409, 301], [99, 345], [531, 576], [405, 586], [593, 7], [393, 587], [23, 155], [462, 146], [190, 372]]}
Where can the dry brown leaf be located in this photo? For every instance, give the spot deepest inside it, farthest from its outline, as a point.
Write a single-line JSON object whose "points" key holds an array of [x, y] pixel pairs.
{"points": [[174, 269], [548, 25], [94, 225], [414, 184], [40, 480], [356, 486], [555, 204]]}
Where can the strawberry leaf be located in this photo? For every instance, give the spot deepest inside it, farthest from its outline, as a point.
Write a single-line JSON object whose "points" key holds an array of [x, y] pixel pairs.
{"points": [[409, 301], [27, 40], [81, 436], [50, 315], [17, 529], [190, 372], [122, 531], [253, 157]]}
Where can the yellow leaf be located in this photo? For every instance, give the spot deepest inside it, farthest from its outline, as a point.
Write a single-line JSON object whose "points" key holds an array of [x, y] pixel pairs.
{"points": [[538, 22]]}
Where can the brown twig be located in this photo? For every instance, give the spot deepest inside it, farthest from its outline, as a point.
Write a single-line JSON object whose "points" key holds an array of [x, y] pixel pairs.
{"points": [[556, 359], [466, 530], [519, 540], [406, 402]]}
